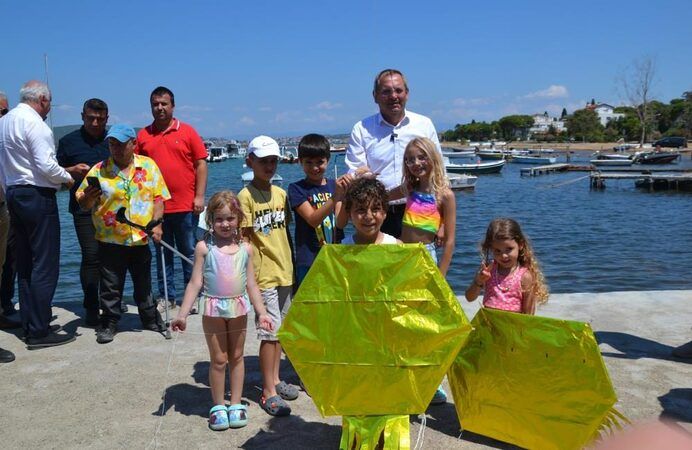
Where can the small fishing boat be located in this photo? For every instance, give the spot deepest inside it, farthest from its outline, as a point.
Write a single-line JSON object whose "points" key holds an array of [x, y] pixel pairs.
{"points": [[611, 160], [475, 168], [461, 181], [460, 154], [249, 176], [492, 153], [656, 157], [530, 159]]}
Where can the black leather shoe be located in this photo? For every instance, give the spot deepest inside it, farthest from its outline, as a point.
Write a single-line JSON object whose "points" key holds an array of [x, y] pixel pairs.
{"points": [[6, 356], [51, 340], [7, 324], [106, 334], [123, 307]]}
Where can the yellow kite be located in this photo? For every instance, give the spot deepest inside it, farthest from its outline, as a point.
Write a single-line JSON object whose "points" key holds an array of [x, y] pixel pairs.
{"points": [[371, 333]]}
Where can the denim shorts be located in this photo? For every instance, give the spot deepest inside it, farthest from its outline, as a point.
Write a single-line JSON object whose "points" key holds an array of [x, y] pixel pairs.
{"points": [[277, 300]]}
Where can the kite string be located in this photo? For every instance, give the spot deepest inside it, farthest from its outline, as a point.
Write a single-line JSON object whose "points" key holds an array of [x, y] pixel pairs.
{"points": [[421, 433]]}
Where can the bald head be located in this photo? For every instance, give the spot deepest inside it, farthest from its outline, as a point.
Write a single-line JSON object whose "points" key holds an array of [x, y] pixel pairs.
{"points": [[37, 95], [4, 105]]}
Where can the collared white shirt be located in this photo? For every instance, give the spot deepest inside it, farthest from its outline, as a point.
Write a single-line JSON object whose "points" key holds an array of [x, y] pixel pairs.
{"points": [[27, 150], [380, 145]]}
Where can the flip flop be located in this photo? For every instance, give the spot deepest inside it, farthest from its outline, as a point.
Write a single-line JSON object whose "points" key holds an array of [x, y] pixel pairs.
{"points": [[275, 406], [237, 416], [218, 418], [287, 391]]}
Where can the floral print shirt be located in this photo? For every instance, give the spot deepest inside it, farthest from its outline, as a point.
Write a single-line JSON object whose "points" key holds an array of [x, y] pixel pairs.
{"points": [[136, 192]]}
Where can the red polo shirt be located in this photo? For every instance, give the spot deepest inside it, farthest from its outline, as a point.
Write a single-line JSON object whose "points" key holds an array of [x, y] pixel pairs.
{"points": [[174, 150]]}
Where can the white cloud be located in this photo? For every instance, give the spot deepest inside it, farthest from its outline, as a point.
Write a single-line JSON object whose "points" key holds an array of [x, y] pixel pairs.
{"points": [[63, 107], [327, 105], [472, 101], [552, 91], [246, 121], [265, 108], [193, 108]]}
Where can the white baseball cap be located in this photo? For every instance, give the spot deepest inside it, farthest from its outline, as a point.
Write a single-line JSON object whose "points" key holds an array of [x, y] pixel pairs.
{"points": [[263, 146]]}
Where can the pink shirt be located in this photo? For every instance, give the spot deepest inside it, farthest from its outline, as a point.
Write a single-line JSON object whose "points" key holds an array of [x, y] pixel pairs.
{"points": [[504, 291]]}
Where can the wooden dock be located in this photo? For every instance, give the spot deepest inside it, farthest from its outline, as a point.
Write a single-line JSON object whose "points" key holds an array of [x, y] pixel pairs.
{"points": [[541, 170], [645, 179]]}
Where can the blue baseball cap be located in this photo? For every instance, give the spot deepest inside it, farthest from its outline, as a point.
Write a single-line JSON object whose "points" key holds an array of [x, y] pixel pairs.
{"points": [[121, 132]]}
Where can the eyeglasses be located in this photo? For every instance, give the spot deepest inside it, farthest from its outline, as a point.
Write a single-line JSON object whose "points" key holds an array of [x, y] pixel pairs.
{"points": [[411, 160], [4, 111]]}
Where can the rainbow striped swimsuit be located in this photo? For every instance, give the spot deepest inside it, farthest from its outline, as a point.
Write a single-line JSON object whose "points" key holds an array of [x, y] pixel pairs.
{"points": [[421, 212]]}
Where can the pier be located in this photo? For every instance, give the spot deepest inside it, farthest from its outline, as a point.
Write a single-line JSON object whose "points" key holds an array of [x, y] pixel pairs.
{"points": [[553, 168], [142, 391], [680, 180]]}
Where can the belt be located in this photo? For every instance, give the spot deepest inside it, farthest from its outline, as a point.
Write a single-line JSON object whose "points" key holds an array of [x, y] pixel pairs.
{"points": [[31, 186]]}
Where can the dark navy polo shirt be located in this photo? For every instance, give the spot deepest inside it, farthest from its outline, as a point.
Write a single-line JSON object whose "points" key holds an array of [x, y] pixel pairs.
{"points": [[79, 147]]}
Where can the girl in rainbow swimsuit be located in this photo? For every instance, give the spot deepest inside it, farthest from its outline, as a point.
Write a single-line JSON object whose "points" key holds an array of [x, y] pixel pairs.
{"points": [[224, 272]]}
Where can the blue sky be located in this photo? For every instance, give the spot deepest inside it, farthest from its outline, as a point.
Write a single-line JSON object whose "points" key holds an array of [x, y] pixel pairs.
{"points": [[286, 68]]}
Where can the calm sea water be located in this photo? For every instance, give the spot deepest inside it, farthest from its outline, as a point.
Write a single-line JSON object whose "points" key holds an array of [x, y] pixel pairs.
{"points": [[617, 239]]}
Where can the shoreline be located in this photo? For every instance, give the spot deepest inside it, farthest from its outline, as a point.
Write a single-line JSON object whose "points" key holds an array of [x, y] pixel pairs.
{"points": [[105, 396], [561, 146]]}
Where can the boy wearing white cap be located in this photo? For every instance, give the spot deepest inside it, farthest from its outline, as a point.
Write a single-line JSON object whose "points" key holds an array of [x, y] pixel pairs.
{"points": [[265, 220]]}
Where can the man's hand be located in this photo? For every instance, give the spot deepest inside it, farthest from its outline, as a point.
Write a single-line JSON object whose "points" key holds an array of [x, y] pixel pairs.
{"points": [[89, 197], [198, 205], [157, 233], [78, 170]]}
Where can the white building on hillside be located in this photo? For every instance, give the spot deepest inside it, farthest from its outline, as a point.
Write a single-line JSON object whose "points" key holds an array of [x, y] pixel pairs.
{"points": [[605, 113], [543, 122]]}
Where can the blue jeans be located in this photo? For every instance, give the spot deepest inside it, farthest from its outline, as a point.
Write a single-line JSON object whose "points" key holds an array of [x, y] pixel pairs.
{"points": [[179, 231]]}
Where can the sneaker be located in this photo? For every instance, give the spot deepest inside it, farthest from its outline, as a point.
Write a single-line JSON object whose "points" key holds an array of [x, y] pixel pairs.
{"points": [[106, 334], [440, 397], [53, 339], [161, 306]]}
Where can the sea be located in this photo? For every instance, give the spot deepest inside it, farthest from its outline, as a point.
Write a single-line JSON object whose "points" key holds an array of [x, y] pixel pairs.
{"points": [[620, 238]]}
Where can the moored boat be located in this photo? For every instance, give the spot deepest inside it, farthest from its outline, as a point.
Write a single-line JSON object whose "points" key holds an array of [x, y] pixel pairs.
{"points": [[250, 175], [475, 168], [461, 181], [529, 159], [656, 157]]}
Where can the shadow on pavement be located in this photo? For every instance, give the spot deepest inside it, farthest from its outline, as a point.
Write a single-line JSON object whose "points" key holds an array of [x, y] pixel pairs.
{"points": [[677, 405], [635, 347], [292, 432]]}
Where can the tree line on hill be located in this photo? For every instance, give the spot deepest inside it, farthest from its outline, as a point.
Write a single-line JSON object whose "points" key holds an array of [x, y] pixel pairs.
{"points": [[659, 119]]}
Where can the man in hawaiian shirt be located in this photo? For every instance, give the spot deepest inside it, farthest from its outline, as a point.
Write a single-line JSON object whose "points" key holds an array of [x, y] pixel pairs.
{"points": [[135, 183]]}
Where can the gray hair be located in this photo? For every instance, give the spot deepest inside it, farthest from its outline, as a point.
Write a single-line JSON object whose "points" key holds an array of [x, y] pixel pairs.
{"points": [[32, 91], [3, 96]]}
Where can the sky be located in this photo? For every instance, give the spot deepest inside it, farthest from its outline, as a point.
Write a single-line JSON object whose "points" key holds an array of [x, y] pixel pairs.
{"points": [[239, 69]]}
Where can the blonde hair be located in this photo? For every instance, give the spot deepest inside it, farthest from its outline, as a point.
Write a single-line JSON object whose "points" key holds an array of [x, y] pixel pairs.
{"points": [[502, 229], [217, 202], [438, 179]]}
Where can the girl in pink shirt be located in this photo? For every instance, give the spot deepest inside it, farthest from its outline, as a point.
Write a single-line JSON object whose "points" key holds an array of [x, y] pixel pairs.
{"points": [[513, 280]]}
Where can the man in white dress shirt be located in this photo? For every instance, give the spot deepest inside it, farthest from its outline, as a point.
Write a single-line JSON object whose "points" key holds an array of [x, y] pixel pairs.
{"points": [[379, 141], [31, 176]]}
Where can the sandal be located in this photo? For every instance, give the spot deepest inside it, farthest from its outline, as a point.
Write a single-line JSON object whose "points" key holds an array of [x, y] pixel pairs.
{"points": [[287, 391], [218, 418], [237, 416], [275, 406]]}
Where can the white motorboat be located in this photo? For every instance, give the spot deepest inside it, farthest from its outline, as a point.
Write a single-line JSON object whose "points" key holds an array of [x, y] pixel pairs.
{"points": [[461, 181], [529, 159], [249, 176], [216, 154], [460, 154], [234, 150], [474, 168]]}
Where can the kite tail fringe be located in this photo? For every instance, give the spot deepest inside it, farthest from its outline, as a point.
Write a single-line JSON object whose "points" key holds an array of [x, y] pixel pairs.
{"points": [[365, 432], [613, 421]]}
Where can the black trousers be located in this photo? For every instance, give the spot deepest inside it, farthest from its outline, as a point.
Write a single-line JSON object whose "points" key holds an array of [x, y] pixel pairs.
{"points": [[9, 274], [392, 224], [116, 262], [89, 273], [34, 218]]}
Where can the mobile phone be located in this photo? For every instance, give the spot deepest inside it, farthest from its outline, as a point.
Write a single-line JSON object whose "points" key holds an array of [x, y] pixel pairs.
{"points": [[94, 182]]}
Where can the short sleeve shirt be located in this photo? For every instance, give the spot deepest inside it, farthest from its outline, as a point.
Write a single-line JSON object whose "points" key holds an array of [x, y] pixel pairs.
{"points": [[308, 239], [268, 214], [79, 147], [175, 151], [136, 192]]}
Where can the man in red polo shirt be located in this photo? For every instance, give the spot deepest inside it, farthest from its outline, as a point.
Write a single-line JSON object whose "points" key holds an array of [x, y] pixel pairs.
{"points": [[180, 154]]}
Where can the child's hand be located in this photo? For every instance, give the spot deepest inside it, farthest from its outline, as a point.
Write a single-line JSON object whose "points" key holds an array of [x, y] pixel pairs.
{"points": [[265, 322], [179, 324], [483, 274]]}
